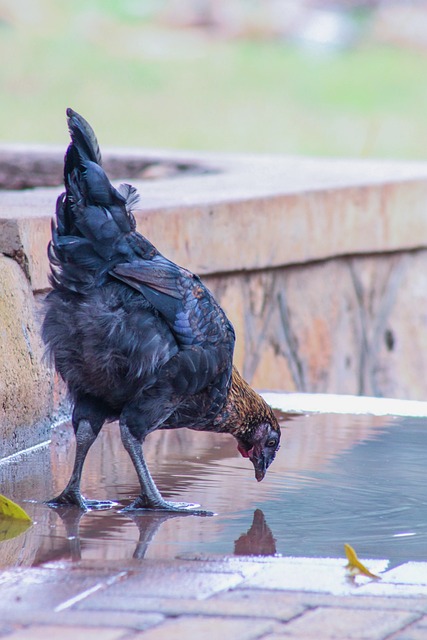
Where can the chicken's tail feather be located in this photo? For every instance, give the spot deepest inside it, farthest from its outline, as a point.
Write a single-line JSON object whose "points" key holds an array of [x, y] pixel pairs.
{"points": [[93, 219], [83, 136]]}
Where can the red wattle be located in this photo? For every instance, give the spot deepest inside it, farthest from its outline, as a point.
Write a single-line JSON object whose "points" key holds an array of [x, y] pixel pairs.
{"points": [[243, 452]]}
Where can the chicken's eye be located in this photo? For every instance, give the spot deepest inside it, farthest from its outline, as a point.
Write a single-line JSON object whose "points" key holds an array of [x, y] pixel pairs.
{"points": [[271, 443]]}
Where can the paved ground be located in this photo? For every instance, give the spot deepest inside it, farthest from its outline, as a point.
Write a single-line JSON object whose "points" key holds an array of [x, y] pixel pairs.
{"points": [[213, 597]]}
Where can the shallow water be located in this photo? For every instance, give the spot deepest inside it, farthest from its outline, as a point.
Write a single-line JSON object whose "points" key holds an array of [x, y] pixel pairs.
{"points": [[336, 479]]}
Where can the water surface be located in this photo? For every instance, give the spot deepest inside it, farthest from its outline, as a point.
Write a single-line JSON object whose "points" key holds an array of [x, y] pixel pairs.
{"points": [[336, 479]]}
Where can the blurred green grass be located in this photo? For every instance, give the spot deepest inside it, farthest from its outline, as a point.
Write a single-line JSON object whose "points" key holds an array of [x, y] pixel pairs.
{"points": [[144, 86]]}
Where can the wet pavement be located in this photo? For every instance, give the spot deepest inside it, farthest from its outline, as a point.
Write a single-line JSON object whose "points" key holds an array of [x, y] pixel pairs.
{"points": [[269, 565], [211, 597]]}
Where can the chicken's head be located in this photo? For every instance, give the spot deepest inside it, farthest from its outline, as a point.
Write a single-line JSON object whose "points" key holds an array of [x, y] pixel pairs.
{"points": [[261, 447]]}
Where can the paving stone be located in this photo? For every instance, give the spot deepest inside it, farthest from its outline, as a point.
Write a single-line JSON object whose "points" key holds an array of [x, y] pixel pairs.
{"points": [[279, 636], [333, 622], [408, 573], [218, 607], [68, 633], [422, 622], [281, 606], [41, 589], [413, 632], [165, 583], [311, 600], [395, 590], [310, 574], [245, 567], [207, 629], [77, 618]]}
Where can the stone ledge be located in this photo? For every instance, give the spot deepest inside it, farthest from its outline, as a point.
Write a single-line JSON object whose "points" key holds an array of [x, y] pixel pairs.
{"points": [[260, 211]]}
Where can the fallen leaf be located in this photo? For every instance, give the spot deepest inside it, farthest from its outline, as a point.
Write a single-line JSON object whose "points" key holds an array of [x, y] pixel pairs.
{"points": [[11, 528], [9, 509], [354, 566]]}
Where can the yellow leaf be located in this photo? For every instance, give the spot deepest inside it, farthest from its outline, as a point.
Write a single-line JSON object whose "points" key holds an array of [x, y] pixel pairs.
{"points": [[354, 566], [9, 509], [11, 528]]}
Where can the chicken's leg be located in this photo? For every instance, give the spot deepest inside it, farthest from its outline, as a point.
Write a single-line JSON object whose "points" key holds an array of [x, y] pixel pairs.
{"points": [[71, 495], [86, 431], [150, 497]]}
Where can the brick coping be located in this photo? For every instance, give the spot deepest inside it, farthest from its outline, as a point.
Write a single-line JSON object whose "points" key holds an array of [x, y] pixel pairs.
{"points": [[285, 210]]}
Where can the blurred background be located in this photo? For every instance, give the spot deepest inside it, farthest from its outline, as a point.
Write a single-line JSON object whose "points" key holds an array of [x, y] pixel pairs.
{"points": [[343, 78]]}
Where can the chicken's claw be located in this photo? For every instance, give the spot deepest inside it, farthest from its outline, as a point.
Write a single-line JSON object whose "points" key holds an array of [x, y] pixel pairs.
{"points": [[76, 500], [185, 508], [99, 504]]}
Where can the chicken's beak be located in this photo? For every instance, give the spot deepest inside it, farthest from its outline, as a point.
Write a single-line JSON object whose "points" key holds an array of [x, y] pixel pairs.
{"points": [[258, 459]]}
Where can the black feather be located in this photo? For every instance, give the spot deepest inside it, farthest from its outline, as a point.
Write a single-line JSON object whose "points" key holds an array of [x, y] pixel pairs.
{"points": [[123, 323]]}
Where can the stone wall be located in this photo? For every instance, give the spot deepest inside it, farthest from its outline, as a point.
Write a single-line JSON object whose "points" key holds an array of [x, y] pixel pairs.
{"points": [[351, 325], [26, 384]]}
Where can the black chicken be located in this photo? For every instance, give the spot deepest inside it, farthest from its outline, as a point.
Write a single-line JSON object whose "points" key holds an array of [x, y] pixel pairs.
{"points": [[136, 337]]}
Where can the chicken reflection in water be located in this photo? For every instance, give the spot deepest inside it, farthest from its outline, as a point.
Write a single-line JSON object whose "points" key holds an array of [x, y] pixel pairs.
{"points": [[147, 521], [257, 541]]}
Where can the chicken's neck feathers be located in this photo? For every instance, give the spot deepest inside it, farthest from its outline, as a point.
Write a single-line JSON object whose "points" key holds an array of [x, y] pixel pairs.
{"points": [[244, 410]]}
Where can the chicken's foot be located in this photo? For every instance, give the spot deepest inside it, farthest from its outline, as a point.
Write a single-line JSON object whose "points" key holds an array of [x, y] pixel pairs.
{"points": [[73, 498], [185, 508], [150, 497]]}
